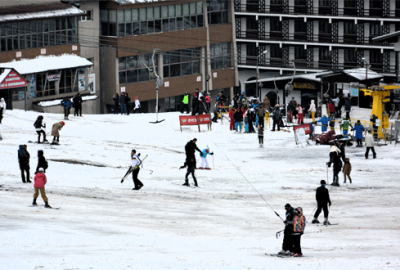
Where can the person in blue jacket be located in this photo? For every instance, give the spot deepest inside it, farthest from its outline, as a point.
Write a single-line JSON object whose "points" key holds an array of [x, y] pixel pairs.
{"points": [[324, 121], [204, 161], [67, 104], [359, 133]]}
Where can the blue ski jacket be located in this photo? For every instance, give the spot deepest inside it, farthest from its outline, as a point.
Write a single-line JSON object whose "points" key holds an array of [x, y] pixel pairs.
{"points": [[359, 131]]}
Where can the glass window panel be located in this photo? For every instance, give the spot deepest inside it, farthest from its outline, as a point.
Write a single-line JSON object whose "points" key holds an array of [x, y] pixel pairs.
{"points": [[15, 28], [196, 67], [112, 29], [143, 28], [200, 22], [187, 68], [175, 70], [164, 12], [218, 49], [51, 25], [112, 16], [10, 44], [128, 29], [166, 71], [227, 61], [69, 23], [74, 22], [186, 22], [186, 9], [175, 57], [171, 10], [132, 76], [121, 30], [70, 37], [199, 8], [143, 14], [121, 16], [216, 18], [9, 28], [63, 24], [135, 28], [157, 12], [224, 16], [132, 62], [193, 22], [40, 39], [122, 77], [135, 15], [157, 26], [46, 39], [143, 75], [104, 15], [150, 15], [186, 55], [178, 9], [172, 24], [179, 23], [166, 58], [28, 41], [165, 26], [150, 27], [128, 15], [192, 8], [16, 43], [143, 59], [22, 42], [104, 29]]}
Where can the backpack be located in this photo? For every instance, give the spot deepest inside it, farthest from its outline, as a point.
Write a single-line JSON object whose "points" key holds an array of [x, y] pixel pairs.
{"points": [[46, 165], [21, 152]]}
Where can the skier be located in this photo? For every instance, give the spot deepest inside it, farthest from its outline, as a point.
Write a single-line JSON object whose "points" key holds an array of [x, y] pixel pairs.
{"points": [[331, 108], [23, 159], [347, 107], [204, 161], [238, 117], [40, 182], [137, 105], [246, 122], [261, 136], [55, 131], [287, 233], [67, 104], [260, 111], [216, 113], [334, 156], [3, 106], [185, 103], [345, 126], [78, 105], [347, 169], [135, 170], [324, 121], [251, 116], [276, 117], [299, 223], [232, 123], [267, 103], [359, 133], [369, 143], [312, 109], [39, 128], [42, 162], [322, 197], [190, 147]]}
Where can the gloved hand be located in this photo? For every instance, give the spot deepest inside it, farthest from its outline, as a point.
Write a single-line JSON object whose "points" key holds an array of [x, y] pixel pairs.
{"points": [[44, 125], [212, 153], [330, 204], [122, 181], [136, 167]]}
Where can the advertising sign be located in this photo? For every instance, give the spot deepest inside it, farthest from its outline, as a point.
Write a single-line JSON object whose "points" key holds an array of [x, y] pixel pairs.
{"points": [[81, 82], [13, 80], [354, 89], [32, 87], [92, 83], [53, 77], [193, 120], [307, 128], [300, 132]]}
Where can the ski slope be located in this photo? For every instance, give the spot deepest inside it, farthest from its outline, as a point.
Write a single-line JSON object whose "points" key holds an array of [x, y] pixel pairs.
{"points": [[223, 224]]}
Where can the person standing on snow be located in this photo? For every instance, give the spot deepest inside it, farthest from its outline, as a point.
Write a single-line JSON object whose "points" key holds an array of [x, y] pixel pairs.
{"points": [[300, 112], [260, 112], [359, 133], [39, 128], [40, 182], [42, 162], [324, 121], [312, 110], [204, 161], [369, 143], [135, 170], [195, 102], [238, 117], [23, 159], [276, 117], [67, 104], [122, 102], [299, 223], [55, 131], [137, 105], [347, 107], [3, 106], [116, 103], [335, 155], [331, 107], [345, 126], [185, 103], [261, 136], [287, 244], [78, 105], [190, 148], [232, 122], [322, 197]]}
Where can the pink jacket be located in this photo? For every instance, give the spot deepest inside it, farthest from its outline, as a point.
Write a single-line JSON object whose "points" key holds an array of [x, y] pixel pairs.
{"points": [[40, 180], [299, 109]]}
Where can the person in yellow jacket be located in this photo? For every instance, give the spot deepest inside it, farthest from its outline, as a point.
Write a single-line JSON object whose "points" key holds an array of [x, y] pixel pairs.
{"points": [[185, 102]]}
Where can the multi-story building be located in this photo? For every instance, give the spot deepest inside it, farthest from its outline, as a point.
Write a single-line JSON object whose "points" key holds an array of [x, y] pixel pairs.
{"points": [[193, 40], [39, 40], [318, 35]]}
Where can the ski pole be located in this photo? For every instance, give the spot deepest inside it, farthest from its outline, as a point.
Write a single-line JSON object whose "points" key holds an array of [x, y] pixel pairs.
{"points": [[327, 172], [312, 212], [278, 234]]}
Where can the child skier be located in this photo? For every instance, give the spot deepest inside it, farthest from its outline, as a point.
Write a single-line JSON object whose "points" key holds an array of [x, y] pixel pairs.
{"points": [[232, 123], [324, 121], [345, 126], [40, 181], [347, 169], [204, 161], [261, 135]]}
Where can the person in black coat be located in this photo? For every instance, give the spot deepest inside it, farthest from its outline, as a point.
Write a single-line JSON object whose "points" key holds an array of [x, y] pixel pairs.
{"points": [[276, 117], [238, 117], [38, 126], [287, 233], [42, 163], [23, 159], [190, 148], [116, 103], [122, 101], [334, 157], [195, 103], [127, 101], [78, 105], [322, 197]]}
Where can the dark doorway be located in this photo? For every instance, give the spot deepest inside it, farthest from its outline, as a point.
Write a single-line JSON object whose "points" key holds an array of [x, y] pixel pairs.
{"points": [[273, 98]]}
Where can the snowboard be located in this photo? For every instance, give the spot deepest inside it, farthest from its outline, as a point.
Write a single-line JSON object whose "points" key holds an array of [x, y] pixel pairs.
{"points": [[283, 256], [39, 143]]}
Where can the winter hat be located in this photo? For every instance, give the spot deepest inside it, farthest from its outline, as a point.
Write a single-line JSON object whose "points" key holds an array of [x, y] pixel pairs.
{"points": [[134, 151], [62, 122], [287, 205], [40, 170], [323, 182], [194, 139], [358, 122], [136, 98]]}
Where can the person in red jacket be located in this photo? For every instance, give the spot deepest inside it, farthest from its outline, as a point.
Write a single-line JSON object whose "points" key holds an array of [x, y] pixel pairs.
{"points": [[40, 181], [331, 108], [232, 124]]}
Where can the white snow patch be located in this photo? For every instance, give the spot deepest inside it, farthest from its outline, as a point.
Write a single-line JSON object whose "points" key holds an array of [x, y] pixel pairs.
{"points": [[58, 101]]}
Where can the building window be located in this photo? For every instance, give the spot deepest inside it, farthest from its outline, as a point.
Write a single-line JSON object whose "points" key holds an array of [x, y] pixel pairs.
{"points": [[324, 27], [181, 62], [375, 57], [275, 25], [349, 28], [350, 3], [350, 55], [133, 69], [276, 52], [375, 4], [87, 17], [300, 52], [217, 11], [220, 55], [375, 29], [324, 54], [324, 3]]}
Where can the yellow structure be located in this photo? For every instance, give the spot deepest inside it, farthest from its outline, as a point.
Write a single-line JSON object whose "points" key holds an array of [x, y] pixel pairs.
{"points": [[381, 95]]}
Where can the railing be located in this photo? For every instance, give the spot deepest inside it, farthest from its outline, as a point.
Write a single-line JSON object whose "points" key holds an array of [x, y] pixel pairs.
{"points": [[301, 37], [324, 10]]}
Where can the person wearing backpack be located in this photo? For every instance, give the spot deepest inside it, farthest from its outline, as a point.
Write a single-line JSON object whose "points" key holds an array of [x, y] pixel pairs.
{"points": [[276, 118], [299, 223], [39, 128], [42, 162], [67, 104], [78, 105], [23, 159]]}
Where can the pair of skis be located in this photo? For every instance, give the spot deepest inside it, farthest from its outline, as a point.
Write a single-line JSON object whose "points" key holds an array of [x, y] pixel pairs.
{"points": [[131, 170]]}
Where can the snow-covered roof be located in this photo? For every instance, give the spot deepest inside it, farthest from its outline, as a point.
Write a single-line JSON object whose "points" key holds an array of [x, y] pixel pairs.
{"points": [[125, 2], [57, 102], [42, 14], [359, 74], [4, 74], [47, 63], [308, 76]]}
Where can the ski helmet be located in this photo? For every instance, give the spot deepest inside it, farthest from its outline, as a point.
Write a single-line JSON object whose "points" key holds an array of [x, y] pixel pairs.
{"points": [[62, 122]]}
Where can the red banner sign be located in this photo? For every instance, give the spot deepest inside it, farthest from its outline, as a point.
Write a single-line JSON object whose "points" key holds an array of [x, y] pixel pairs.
{"points": [[192, 120], [13, 80], [307, 128]]}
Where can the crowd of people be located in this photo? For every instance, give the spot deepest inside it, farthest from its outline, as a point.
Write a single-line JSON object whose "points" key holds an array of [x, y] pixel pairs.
{"points": [[123, 105]]}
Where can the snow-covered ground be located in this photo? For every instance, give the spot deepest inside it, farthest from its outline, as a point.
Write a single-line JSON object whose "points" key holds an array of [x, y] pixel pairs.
{"points": [[223, 224]]}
